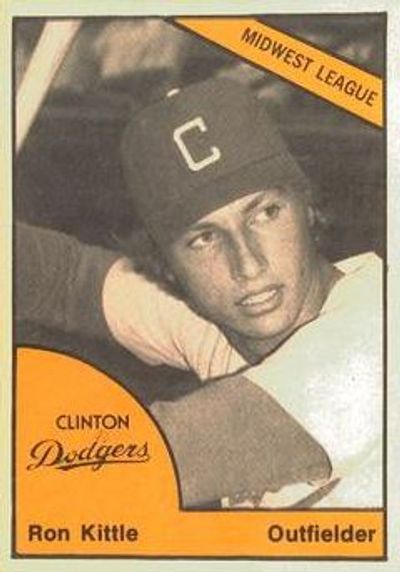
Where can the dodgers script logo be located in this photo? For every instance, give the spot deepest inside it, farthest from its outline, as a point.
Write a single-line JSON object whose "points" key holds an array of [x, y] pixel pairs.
{"points": [[96, 452], [197, 123]]}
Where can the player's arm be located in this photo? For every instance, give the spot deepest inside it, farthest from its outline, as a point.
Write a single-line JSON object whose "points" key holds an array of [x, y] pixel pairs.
{"points": [[59, 281], [64, 284], [230, 438], [324, 382]]}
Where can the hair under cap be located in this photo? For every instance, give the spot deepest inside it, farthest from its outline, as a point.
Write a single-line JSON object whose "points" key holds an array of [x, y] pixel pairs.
{"points": [[198, 149]]}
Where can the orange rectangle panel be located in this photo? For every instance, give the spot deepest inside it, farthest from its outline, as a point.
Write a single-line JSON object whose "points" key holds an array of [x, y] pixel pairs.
{"points": [[326, 76]]}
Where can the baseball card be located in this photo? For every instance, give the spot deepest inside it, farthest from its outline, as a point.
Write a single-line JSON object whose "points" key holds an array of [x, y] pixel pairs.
{"points": [[199, 221]]}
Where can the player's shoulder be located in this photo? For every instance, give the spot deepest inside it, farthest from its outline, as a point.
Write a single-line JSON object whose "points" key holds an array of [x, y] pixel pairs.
{"points": [[362, 265], [359, 292]]}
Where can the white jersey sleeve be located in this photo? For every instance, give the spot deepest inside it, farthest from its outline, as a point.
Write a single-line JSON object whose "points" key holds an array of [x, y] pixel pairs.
{"points": [[160, 329]]}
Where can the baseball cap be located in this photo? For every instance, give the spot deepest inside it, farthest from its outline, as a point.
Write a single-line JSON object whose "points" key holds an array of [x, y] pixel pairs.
{"points": [[198, 149]]}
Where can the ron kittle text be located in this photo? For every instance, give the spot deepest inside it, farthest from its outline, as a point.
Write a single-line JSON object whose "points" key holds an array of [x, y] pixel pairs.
{"points": [[88, 532]]}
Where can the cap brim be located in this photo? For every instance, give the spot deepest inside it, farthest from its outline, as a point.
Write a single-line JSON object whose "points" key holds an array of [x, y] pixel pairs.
{"points": [[281, 170]]}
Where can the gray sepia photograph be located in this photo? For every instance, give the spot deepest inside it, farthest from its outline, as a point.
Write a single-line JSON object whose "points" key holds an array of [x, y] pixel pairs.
{"points": [[213, 238]]}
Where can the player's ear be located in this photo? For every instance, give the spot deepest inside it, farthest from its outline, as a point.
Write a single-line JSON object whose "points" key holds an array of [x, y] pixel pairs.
{"points": [[170, 276], [174, 285]]}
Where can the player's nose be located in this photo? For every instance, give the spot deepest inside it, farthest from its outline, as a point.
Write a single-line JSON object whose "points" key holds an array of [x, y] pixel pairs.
{"points": [[247, 259]]}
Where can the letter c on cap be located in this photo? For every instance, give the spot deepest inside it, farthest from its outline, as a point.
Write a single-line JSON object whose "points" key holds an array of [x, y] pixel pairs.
{"points": [[197, 123]]}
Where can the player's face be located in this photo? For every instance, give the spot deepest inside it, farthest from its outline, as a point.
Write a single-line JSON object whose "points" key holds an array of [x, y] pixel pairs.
{"points": [[251, 266]]}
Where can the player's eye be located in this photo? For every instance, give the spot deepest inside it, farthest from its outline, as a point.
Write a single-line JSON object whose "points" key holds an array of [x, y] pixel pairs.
{"points": [[203, 239], [267, 213]]}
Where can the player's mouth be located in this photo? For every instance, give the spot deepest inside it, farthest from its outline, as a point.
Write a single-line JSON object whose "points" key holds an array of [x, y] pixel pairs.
{"points": [[262, 302]]}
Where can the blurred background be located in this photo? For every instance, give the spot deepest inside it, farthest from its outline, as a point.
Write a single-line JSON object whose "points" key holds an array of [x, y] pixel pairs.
{"points": [[68, 174]]}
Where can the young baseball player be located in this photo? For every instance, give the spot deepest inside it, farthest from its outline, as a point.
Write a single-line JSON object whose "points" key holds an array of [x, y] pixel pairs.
{"points": [[228, 282]]}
